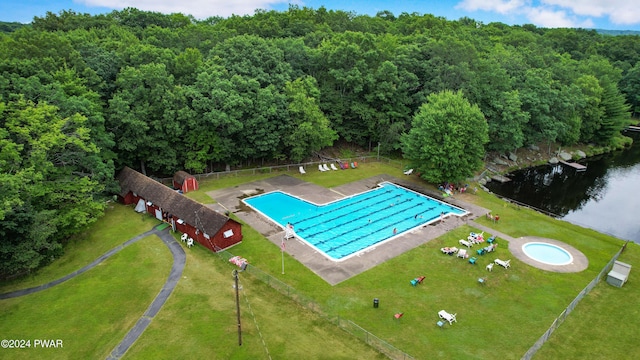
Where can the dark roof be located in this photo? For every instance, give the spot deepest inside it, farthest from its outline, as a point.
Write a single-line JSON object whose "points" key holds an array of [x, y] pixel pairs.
{"points": [[180, 176], [195, 214]]}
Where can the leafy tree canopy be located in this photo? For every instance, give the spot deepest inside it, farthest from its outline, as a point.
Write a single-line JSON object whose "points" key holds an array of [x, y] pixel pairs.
{"points": [[447, 137]]}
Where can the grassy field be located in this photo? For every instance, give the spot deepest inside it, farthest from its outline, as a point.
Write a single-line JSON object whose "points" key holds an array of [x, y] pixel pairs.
{"points": [[500, 319]]}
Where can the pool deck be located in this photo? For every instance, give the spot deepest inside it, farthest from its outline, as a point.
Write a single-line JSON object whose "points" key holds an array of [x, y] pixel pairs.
{"points": [[335, 272], [331, 271]]}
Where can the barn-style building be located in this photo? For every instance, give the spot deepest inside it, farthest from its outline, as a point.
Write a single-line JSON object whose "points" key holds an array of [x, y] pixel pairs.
{"points": [[184, 181], [211, 229]]}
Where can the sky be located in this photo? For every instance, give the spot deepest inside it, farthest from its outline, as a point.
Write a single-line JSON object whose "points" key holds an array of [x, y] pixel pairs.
{"points": [[597, 14]]}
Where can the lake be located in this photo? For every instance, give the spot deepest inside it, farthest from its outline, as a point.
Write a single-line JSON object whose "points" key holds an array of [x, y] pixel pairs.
{"points": [[604, 197]]}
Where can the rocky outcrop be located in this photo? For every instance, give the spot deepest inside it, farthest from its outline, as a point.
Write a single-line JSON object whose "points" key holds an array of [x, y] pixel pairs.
{"points": [[565, 155]]}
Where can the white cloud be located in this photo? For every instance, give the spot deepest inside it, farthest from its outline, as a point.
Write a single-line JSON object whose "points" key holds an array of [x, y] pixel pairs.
{"points": [[548, 18], [505, 7], [559, 13], [198, 8], [622, 12]]}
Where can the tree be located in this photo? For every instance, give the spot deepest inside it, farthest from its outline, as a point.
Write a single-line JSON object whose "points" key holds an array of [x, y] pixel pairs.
{"points": [[630, 86], [311, 129], [446, 141], [46, 193]]}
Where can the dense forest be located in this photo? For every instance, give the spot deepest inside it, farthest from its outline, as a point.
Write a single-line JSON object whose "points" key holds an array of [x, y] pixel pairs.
{"points": [[81, 96]]}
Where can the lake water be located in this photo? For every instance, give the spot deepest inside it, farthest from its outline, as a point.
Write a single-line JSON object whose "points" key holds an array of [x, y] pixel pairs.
{"points": [[605, 197]]}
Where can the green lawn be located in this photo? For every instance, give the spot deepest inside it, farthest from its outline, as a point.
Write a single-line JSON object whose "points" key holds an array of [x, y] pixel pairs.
{"points": [[500, 319], [92, 312]]}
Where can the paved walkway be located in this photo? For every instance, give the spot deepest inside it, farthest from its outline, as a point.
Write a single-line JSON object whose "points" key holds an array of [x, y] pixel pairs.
{"points": [[179, 260], [90, 266]]}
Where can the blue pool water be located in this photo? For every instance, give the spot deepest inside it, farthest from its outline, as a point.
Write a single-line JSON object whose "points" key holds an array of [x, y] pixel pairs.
{"points": [[547, 253], [348, 226]]}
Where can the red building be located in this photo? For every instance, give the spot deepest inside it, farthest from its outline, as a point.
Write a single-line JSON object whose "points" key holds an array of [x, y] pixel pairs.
{"points": [[211, 229], [184, 181]]}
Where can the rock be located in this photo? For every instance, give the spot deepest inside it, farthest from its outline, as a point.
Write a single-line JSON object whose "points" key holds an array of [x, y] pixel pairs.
{"points": [[513, 157], [499, 161], [565, 155], [553, 160], [482, 181], [534, 147], [581, 154]]}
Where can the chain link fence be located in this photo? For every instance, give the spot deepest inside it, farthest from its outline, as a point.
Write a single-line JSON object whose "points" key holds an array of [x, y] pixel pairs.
{"points": [[347, 325], [560, 319], [283, 168]]}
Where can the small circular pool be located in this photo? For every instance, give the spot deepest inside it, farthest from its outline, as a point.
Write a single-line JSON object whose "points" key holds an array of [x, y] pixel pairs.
{"points": [[547, 253]]}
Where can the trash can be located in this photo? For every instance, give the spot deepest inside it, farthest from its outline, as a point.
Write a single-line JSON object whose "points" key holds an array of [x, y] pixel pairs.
{"points": [[375, 302]]}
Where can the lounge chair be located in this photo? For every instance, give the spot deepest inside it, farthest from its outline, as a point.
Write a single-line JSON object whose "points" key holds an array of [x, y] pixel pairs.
{"points": [[325, 167], [320, 167], [462, 253], [301, 169], [408, 172], [354, 165], [345, 165], [448, 317], [465, 243], [449, 250], [333, 167], [504, 263]]}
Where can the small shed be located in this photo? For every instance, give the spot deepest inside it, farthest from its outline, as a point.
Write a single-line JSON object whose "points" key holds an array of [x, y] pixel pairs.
{"points": [[184, 181], [618, 274]]}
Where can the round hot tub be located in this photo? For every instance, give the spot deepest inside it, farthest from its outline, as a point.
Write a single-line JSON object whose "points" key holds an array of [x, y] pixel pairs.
{"points": [[547, 253]]}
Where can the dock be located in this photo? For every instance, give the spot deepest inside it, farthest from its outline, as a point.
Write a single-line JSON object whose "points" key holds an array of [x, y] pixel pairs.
{"points": [[575, 165], [633, 128]]}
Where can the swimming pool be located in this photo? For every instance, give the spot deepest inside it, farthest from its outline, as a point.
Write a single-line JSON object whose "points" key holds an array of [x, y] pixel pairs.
{"points": [[346, 227], [547, 253]]}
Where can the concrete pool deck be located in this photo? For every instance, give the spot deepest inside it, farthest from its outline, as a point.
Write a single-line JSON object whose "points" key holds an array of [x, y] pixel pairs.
{"points": [[331, 271], [334, 272]]}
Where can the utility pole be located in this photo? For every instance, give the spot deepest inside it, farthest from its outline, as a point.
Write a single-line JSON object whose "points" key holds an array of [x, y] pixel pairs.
{"points": [[378, 151], [235, 275]]}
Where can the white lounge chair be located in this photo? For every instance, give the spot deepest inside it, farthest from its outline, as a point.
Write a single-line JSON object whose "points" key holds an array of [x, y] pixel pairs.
{"points": [[333, 167], [320, 167], [302, 170], [448, 317], [325, 167], [408, 172], [504, 263], [462, 253], [465, 243]]}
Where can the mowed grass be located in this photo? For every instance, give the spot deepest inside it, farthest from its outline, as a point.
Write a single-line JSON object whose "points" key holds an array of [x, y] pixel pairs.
{"points": [[501, 319], [199, 321], [92, 312], [118, 224]]}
